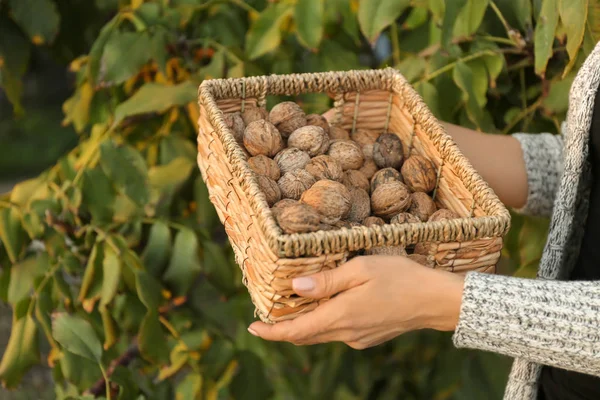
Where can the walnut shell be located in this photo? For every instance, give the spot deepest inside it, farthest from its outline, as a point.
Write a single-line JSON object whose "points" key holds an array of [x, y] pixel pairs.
{"points": [[424, 248], [360, 207], [270, 189], [263, 165], [388, 151], [261, 137], [443, 214], [291, 158], [389, 199], [384, 176], [294, 183], [318, 120], [299, 218], [369, 168], [347, 153], [330, 198], [365, 137], [325, 167], [370, 221], [421, 206], [337, 132], [236, 124], [281, 204], [419, 174], [287, 117], [420, 259], [404, 218], [355, 178], [311, 139], [252, 114], [386, 251]]}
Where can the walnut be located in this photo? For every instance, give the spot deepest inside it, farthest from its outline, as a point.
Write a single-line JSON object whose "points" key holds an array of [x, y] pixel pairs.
{"points": [[281, 204], [325, 167], [330, 198], [404, 218], [369, 168], [443, 214], [421, 206], [389, 199], [420, 259], [388, 151], [311, 139], [252, 114], [360, 207], [326, 227], [347, 153], [270, 189], [261, 137], [365, 137], [318, 120], [291, 158], [294, 183], [236, 124], [419, 174], [386, 251], [354, 178], [424, 248], [263, 165], [370, 221], [287, 117], [299, 218], [337, 132], [384, 176]]}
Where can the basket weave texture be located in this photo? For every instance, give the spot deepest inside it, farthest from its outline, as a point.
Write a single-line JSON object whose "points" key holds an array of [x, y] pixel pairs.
{"points": [[368, 99]]}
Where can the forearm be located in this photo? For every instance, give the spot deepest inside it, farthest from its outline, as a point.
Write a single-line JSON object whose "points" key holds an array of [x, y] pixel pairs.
{"points": [[499, 160], [548, 322]]}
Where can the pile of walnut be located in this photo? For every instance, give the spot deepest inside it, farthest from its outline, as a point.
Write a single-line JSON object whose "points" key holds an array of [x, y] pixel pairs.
{"points": [[319, 177]]}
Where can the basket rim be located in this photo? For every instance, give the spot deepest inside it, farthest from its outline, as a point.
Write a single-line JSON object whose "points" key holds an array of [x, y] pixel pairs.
{"points": [[495, 224]]}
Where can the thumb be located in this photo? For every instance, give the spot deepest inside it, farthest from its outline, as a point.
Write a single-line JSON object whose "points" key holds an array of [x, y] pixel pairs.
{"points": [[330, 282]]}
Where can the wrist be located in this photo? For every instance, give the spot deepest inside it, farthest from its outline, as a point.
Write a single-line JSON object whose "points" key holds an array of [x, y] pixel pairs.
{"points": [[445, 299]]}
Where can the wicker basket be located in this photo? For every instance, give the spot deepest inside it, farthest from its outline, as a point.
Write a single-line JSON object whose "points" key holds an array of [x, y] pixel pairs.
{"points": [[374, 99]]}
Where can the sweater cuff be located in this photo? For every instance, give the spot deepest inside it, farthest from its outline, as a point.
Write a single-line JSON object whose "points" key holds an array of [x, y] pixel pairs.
{"points": [[542, 153], [544, 321]]}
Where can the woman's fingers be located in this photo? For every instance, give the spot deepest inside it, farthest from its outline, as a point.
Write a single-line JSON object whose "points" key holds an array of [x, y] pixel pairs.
{"points": [[331, 282]]}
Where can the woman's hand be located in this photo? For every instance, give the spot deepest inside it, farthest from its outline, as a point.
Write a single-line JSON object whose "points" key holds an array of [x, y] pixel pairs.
{"points": [[376, 299]]}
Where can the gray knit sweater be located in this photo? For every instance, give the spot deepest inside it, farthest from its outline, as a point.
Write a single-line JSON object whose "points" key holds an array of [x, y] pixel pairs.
{"points": [[545, 321]]}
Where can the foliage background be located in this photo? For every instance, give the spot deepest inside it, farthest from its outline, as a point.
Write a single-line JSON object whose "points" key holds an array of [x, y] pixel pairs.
{"points": [[113, 261]]}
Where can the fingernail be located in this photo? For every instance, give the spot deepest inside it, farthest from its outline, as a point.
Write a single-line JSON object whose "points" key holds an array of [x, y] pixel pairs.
{"points": [[304, 284], [252, 331]]}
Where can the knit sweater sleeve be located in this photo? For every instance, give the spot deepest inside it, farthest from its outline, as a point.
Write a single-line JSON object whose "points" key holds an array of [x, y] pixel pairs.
{"points": [[549, 322], [543, 161]]}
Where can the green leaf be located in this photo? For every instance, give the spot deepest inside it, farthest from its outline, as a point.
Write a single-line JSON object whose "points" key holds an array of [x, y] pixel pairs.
{"points": [[38, 18], [124, 55], [412, 68], [174, 146], [15, 52], [376, 15], [148, 290], [168, 177], [154, 97], [110, 327], [124, 378], [251, 380], [593, 21], [573, 14], [184, 265], [517, 12], [126, 167], [24, 193], [544, 35], [206, 215], [77, 336], [79, 370], [191, 387], [44, 306], [23, 275], [430, 96], [532, 237], [77, 107], [111, 268], [464, 78], [217, 267], [557, 100], [158, 43], [265, 33], [453, 8], [98, 47], [98, 195], [92, 277], [152, 343], [480, 81], [309, 22], [158, 250], [11, 233], [417, 17], [470, 17], [21, 352]]}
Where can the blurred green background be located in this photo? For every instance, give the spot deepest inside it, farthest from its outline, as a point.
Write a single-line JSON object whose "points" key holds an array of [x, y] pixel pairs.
{"points": [[113, 236]]}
